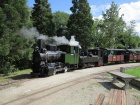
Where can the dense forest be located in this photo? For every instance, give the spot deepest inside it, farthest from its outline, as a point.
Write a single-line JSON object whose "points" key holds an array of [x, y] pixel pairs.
{"points": [[20, 26]]}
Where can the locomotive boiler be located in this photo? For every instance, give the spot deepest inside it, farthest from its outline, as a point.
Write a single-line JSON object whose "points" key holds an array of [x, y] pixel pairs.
{"points": [[47, 62]]}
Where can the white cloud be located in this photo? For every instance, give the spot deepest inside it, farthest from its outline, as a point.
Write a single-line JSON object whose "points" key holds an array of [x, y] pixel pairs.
{"points": [[131, 12], [95, 10], [98, 17], [138, 27]]}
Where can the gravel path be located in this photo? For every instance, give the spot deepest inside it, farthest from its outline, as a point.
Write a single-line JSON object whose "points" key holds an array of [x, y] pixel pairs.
{"points": [[81, 94], [85, 93]]}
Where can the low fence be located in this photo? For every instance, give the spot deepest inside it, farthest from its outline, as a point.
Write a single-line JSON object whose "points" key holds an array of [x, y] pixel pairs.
{"points": [[134, 82]]}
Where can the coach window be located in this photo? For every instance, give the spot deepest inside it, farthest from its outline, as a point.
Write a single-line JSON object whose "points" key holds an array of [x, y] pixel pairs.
{"points": [[75, 49], [68, 50], [95, 52]]}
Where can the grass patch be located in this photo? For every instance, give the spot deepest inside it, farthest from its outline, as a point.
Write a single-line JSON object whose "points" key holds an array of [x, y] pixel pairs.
{"points": [[17, 85], [134, 72], [137, 97], [132, 90], [15, 76], [107, 75]]}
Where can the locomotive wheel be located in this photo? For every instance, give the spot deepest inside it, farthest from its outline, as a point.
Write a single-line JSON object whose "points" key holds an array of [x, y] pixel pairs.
{"points": [[65, 69], [42, 72], [84, 66], [54, 72]]}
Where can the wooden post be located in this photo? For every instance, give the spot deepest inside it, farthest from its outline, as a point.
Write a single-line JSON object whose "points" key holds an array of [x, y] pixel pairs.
{"points": [[122, 69]]}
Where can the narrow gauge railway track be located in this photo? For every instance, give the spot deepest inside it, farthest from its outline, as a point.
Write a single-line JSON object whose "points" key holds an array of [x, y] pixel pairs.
{"points": [[27, 99], [13, 82], [35, 96]]}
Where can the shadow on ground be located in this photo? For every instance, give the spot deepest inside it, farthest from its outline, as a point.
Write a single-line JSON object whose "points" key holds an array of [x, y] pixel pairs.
{"points": [[109, 85], [14, 80], [20, 77]]}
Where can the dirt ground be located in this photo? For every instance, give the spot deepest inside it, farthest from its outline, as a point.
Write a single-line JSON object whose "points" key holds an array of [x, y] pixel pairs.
{"points": [[82, 93], [85, 93]]}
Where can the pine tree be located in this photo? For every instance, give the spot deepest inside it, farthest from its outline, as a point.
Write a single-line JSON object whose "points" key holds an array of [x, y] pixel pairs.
{"points": [[14, 15], [42, 17], [80, 22]]}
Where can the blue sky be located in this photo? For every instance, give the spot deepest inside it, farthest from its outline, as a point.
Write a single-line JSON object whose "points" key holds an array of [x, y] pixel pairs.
{"points": [[130, 8], [66, 4]]}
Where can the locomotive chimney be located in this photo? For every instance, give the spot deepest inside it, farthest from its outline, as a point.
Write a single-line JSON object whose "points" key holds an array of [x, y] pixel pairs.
{"points": [[40, 44]]}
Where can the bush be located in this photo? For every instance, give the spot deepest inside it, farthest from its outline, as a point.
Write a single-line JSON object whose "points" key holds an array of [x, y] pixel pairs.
{"points": [[7, 68]]}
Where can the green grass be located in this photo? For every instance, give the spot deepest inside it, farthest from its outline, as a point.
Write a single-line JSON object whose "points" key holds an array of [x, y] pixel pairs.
{"points": [[107, 75], [134, 72], [16, 75]]}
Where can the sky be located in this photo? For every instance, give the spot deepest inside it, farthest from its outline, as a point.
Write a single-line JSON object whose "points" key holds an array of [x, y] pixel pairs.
{"points": [[130, 8]]}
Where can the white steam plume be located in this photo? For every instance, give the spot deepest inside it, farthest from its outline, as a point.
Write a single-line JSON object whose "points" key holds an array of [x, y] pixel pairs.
{"points": [[59, 40], [32, 32], [43, 37], [54, 40], [28, 33], [73, 42]]}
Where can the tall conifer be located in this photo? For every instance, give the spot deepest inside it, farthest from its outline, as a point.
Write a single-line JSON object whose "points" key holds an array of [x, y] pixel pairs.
{"points": [[14, 15], [42, 17], [80, 22]]}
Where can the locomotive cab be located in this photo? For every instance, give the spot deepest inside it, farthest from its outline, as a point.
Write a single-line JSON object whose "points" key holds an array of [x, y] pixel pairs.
{"points": [[71, 58], [98, 55]]}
